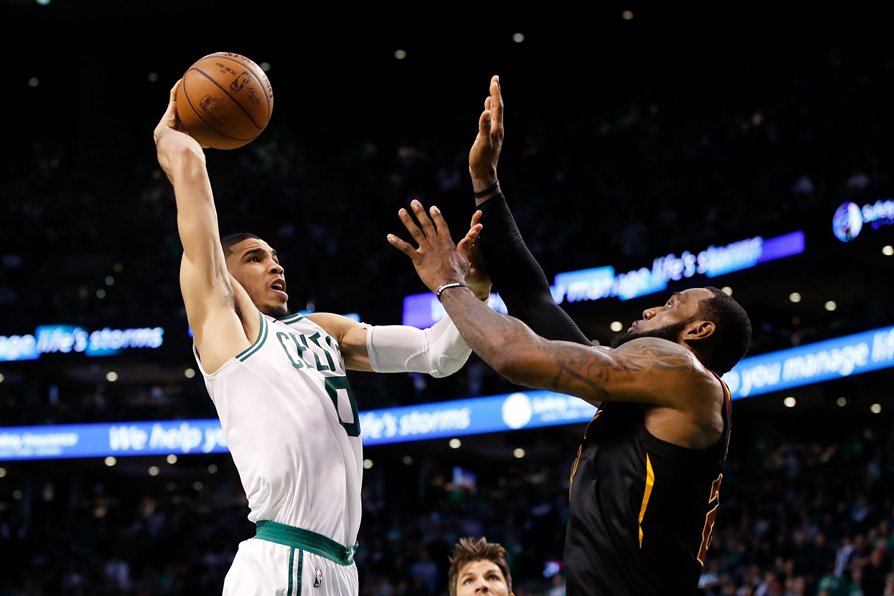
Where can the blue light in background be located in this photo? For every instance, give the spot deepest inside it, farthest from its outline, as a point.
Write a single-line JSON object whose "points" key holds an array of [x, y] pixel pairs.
{"points": [[804, 365]]}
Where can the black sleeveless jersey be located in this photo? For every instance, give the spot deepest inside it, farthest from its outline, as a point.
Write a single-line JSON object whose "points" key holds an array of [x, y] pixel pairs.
{"points": [[642, 510]]}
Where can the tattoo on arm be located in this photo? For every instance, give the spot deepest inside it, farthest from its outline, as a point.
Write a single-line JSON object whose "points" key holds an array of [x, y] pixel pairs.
{"points": [[513, 349], [595, 370]]}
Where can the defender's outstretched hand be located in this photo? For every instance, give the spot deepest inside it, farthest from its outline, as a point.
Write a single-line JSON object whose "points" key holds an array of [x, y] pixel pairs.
{"points": [[438, 261], [485, 151]]}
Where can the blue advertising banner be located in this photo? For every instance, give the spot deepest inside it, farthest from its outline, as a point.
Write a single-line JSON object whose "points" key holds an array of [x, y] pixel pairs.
{"points": [[424, 310], [756, 375], [67, 339]]}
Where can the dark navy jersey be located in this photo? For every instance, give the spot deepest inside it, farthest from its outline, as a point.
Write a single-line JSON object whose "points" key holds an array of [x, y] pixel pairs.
{"points": [[642, 510]]}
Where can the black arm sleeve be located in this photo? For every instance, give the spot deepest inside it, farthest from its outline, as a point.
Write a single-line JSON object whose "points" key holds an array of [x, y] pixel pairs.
{"points": [[518, 277]]}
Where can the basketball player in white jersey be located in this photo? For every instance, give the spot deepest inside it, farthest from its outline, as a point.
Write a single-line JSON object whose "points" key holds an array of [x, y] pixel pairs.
{"points": [[279, 386]]}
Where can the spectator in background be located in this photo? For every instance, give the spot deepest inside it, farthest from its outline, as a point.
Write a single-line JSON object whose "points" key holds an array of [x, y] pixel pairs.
{"points": [[479, 566]]}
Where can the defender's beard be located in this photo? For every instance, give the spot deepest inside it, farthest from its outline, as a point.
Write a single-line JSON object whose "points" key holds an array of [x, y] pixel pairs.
{"points": [[668, 332]]}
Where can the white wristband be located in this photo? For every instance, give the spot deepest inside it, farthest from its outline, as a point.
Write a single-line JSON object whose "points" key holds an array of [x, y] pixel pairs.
{"points": [[455, 284]]}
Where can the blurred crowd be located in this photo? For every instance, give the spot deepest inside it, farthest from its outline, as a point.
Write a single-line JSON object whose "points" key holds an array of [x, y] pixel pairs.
{"points": [[799, 516], [88, 236], [88, 232]]}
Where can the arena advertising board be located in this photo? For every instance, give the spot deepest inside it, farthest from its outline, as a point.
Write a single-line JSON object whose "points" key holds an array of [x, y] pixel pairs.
{"points": [[835, 358]]}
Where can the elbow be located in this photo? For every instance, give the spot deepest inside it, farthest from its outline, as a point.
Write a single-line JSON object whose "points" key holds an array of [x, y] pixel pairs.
{"points": [[448, 364]]}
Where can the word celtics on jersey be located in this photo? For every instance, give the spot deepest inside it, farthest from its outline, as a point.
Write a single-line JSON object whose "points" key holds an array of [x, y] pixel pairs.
{"points": [[305, 344]]}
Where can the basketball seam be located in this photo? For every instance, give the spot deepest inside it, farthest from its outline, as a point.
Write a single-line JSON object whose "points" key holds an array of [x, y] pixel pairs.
{"points": [[253, 68], [249, 70], [251, 65], [198, 113]]}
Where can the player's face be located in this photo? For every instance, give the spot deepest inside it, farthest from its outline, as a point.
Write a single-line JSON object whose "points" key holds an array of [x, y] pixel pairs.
{"points": [[668, 321], [481, 577], [256, 267]]}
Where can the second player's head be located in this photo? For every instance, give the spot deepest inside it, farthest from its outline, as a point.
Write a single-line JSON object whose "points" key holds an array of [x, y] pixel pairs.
{"points": [[705, 320], [479, 567], [256, 267]]}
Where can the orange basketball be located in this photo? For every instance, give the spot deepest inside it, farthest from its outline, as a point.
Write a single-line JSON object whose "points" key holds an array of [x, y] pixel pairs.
{"points": [[224, 101]]}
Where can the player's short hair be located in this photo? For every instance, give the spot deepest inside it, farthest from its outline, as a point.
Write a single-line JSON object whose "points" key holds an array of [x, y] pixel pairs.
{"points": [[732, 331], [227, 242], [470, 550]]}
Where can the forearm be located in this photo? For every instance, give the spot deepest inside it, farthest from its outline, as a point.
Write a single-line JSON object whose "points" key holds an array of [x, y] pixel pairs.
{"points": [[438, 351], [492, 336], [518, 277], [196, 214]]}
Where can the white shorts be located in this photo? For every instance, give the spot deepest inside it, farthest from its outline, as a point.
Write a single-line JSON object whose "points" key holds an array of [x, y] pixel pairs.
{"points": [[263, 568]]}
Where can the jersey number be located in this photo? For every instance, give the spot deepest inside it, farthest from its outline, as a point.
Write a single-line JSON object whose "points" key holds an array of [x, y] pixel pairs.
{"points": [[336, 386], [708, 529]]}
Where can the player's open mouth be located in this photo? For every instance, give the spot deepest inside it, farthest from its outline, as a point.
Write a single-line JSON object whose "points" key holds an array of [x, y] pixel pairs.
{"points": [[279, 286]]}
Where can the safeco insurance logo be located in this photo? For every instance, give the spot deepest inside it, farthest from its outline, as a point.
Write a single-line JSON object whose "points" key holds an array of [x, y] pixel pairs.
{"points": [[847, 222], [849, 218]]}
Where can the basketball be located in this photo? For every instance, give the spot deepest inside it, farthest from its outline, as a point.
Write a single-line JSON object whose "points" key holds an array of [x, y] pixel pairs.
{"points": [[224, 101]]}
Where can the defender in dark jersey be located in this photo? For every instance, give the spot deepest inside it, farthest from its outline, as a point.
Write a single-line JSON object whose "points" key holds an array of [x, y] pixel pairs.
{"points": [[645, 484]]}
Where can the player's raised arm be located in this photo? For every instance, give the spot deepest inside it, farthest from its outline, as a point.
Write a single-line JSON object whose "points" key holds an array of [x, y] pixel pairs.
{"points": [[516, 274], [207, 288], [517, 353]]}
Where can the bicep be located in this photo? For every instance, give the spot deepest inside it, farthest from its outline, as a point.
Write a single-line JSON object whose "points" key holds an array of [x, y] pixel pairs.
{"points": [[211, 310], [351, 338], [643, 371]]}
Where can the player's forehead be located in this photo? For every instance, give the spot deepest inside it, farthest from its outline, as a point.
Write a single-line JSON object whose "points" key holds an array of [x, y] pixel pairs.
{"points": [[251, 245], [480, 567], [692, 295]]}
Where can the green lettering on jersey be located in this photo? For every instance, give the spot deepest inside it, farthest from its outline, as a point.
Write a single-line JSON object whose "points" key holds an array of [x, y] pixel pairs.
{"points": [[316, 339], [333, 384], [281, 335]]}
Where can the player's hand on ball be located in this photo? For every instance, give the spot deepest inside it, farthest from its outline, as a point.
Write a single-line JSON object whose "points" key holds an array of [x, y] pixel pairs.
{"points": [[168, 136]]}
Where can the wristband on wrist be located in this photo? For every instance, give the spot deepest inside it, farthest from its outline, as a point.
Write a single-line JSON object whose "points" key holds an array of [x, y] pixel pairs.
{"points": [[483, 193], [455, 284]]}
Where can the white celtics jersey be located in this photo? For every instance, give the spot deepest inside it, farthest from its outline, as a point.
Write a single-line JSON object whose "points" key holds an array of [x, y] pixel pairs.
{"points": [[291, 425]]}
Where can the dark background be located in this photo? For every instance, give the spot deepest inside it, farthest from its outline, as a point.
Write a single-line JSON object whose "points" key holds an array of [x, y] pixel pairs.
{"points": [[625, 140]]}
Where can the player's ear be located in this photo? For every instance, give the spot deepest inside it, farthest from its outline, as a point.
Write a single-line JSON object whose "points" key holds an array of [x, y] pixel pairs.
{"points": [[699, 330]]}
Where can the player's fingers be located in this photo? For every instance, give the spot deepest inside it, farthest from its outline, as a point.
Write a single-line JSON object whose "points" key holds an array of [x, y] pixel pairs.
{"points": [[428, 227], [169, 118], [467, 244], [472, 235], [463, 247], [443, 230], [476, 218], [496, 97], [411, 226], [484, 122], [402, 246]]}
